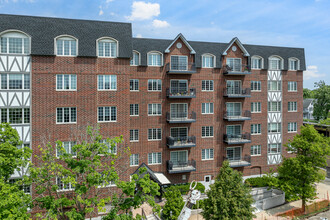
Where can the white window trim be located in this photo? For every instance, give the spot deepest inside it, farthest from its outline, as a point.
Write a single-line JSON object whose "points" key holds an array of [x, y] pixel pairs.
{"points": [[208, 90], [104, 83], [209, 103], [179, 128], [69, 114], [214, 60], [281, 62], [256, 90], [161, 135], [161, 59], [106, 38], [261, 64], [138, 83], [240, 147], [298, 63], [293, 110], [257, 129], [68, 36], [135, 51], [130, 160], [296, 127], [63, 90], [258, 111], [134, 109], [205, 132], [65, 190], [104, 114], [70, 147], [205, 154], [157, 155], [157, 109], [181, 56], [296, 86], [19, 32], [157, 86], [235, 58], [256, 155], [134, 135]]}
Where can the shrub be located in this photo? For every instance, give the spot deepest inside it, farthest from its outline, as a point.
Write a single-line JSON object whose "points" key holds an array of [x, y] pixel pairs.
{"points": [[199, 205], [184, 188], [258, 181], [173, 205]]}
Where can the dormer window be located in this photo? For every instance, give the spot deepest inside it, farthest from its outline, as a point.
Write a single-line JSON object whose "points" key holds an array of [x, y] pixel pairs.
{"points": [[293, 64], [275, 63], [257, 62], [107, 47], [155, 59], [208, 61], [135, 61], [14, 43], [66, 46]]}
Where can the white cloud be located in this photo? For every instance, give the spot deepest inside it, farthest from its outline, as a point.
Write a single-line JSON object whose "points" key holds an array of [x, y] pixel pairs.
{"points": [[312, 72], [143, 11], [101, 11], [108, 1], [160, 24], [139, 35]]}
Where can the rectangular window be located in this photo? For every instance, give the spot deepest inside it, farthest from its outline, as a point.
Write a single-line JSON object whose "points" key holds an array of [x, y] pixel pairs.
{"points": [[15, 45], [274, 148], [235, 64], [207, 131], [112, 146], [255, 150], [292, 86], [275, 64], [207, 85], [154, 158], [155, 85], [207, 154], [292, 127], [179, 86], [208, 61], [179, 63], [66, 115], [256, 63], [106, 114], [234, 87], [256, 129], [25, 188], [234, 153], [233, 131], [154, 134], [66, 82], [107, 48], [134, 85], [207, 108], [15, 115], [255, 107], [274, 86], [234, 109], [62, 186], [154, 59], [154, 109], [107, 82], [134, 160], [15, 81], [256, 86], [134, 109], [293, 64], [274, 106], [134, 135], [274, 127], [68, 147], [292, 106], [66, 47]]}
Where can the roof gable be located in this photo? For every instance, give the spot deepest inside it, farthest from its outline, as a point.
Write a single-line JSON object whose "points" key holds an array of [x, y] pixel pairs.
{"points": [[192, 51], [238, 42]]}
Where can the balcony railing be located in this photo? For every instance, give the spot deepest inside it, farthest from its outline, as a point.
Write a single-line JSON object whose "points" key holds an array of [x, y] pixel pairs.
{"points": [[237, 93], [180, 117], [181, 167], [238, 70], [237, 138], [179, 94], [180, 68], [237, 115], [241, 162], [181, 142]]}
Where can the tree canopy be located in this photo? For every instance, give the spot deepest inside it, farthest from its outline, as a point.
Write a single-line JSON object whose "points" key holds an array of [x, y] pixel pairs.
{"points": [[322, 104]]}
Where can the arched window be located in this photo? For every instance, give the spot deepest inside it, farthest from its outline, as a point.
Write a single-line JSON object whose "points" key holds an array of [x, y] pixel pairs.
{"points": [[275, 63], [294, 63], [208, 60], [107, 47], [135, 61], [155, 58], [14, 42], [66, 46], [257, 62]]}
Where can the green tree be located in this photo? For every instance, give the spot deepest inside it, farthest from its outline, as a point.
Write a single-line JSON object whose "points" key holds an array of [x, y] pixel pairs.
{"points": [[307, 93], [173, 205], [228, 198], [297, 175], [322, 104]]}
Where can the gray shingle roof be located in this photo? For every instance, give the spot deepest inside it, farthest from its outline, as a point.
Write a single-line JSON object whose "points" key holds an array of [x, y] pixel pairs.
{"points": [[307, 102]]}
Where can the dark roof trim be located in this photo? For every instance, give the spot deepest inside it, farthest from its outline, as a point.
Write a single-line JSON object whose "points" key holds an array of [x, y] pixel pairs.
{"points": [[192, 51], [238, 42]]}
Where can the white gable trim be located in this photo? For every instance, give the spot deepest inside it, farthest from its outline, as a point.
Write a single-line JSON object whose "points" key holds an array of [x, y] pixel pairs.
{"points": [[192, 51], [238, 42]]}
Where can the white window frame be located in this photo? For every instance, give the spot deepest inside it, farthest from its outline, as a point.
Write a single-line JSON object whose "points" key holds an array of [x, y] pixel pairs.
{"points": [[110, 149], [261, 62], [71, 144], [255, 150], [22, 78], [186, 58], [234, 151], [278, 128], [233, 68], [71, 188], [292, 86], [134, 131], [207, 154], [133, 158], [278, 86], [155, 157], [278, 148], [134, 87], [210, 108], [207, 88], [208, 55], [158, 81], [292, 107], [208, 134], [255, 107], [255, 84], [110, 114], [292, 127], [280, 66], [107, 40], [255, 129], [186, 128], [296, 60], [132, 61], [278, 106], [153, 106], [110, 82], [15, 34], [157, 130], [70, 81], [66, 38], [161, 58], [111, 184], [7, 113], [70, 122], [135, 106]]}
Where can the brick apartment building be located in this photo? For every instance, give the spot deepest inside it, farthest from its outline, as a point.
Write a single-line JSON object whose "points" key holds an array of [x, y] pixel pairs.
{"points": [[182, 106]]}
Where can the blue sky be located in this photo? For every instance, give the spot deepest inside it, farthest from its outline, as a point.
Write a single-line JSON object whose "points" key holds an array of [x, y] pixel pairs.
{"points": [[292, 23]]}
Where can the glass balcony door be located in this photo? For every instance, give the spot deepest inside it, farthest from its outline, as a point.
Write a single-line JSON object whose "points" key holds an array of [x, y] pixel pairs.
{"points": [[234, 131], [234, 87], [179, 63], [179, 158], [235, 64], [179, 133], [234, 153], [234, 109], [179, 86], [179, 111]]}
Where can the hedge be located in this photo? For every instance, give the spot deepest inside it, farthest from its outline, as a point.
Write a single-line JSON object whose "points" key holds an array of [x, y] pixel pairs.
{"points": [[257, 181], [184, 188]]}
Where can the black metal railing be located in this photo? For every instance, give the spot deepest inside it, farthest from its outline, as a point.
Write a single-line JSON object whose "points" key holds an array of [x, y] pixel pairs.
{"points": [[181, 166], [239, 162], [180, 67], [237, 68], [181, 116], [236, 92], [237, 114], [237, 137], [181, 141], [179, 93]]}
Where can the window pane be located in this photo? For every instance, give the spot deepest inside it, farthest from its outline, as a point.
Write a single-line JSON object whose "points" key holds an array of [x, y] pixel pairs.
{"points": [[73, 81], [15, 116], [15, 81], [3, 44], [26, 81], [3, 81]]}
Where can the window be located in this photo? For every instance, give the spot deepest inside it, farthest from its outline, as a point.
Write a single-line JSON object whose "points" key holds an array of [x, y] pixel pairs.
{"points": [[234, 153], [255, 107], [134, 109], [134, 85], [274, 86], [14, 43], [63, 186], [255, 86], [179, 87], [207, 108], [179, 111], [256, 62], [66, 115], [207, 131], [181, 133], [234, 109], [207, 154], [68, 148], [274, 148], [292, 106], [15, 115], [233, 131], [255, 150], [208, 61], [274, 106], [179, 63], [155, 59], [235, 64], [234, 87], [107, 47], [293, 64], [154, 109], [275, 63], [292, 127], [25, 188], [135, 61], [154, 158], [66, 46], [106, 114], [274, 127], [155, 85], [207, 85], [66, 82], [154, 134], [292, 86], [134, 135], [105, 180], [107, 82], [134, 160], [112, 146], [256, 129], [15, 81]]}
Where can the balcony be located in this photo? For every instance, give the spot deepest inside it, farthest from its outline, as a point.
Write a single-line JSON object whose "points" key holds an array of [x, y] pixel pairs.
{"points": [[181, 167], [237, 138], [181, 142], [180, 68], [241, 162], [237, 70], [236, 93], [179, 94], [180, 117], [237, 116]]}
